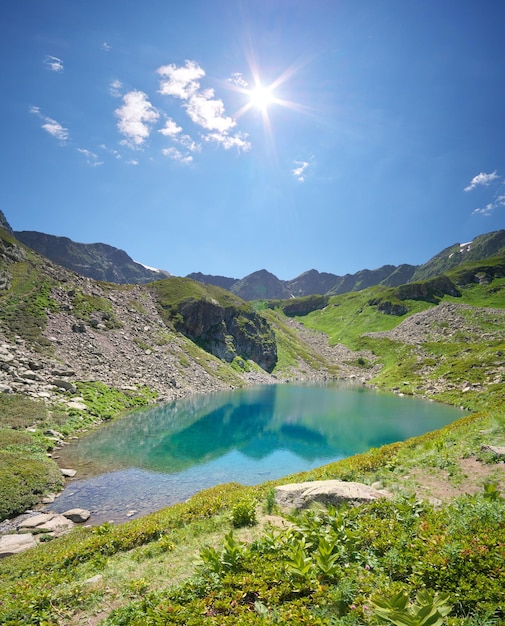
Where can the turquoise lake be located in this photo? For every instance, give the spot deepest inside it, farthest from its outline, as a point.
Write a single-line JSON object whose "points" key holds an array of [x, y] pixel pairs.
{"points": [[162, 455]]}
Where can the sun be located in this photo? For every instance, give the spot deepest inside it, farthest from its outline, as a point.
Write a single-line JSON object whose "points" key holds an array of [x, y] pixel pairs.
{"points": [[260, 97]]}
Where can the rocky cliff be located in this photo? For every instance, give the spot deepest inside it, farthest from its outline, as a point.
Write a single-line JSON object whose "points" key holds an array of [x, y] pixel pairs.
{"points": [[222, 324]]}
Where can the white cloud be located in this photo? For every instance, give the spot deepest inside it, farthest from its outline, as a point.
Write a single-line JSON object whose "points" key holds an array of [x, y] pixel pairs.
{"points": [[91, 157], [106, 46], [170, 129], [201, 106], [490, 207], [53, 63], [299, 171], [51, 126], [177, 155], [115, 88], [239, 140], [209, 113], [238, 79], [135, 117], [482, 179], [189, 143], [180, 82]]}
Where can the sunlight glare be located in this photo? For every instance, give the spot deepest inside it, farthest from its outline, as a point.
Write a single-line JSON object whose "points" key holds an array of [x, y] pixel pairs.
{"points": [[260, 97]]}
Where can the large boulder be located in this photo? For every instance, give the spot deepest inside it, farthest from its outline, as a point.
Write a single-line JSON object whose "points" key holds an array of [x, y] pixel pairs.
{"points": [[335, 492], [12, 544], [47, 523], [78, 516]]}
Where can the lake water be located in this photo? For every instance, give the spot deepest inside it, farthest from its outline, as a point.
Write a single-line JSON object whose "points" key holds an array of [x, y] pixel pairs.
{"points": [[162, 455]]}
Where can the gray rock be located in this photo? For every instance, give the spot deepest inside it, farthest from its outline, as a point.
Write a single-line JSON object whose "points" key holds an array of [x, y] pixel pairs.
{"points": [[94, 580], [58, 524], [301, 495], [64, 384], [498, 451], [12, 544], [47, 522], [36, 520], [68, 473], [78, 516]]}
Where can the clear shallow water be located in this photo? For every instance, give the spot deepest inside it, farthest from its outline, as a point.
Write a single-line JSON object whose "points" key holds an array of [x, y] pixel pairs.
{"points": [[162, 455]]}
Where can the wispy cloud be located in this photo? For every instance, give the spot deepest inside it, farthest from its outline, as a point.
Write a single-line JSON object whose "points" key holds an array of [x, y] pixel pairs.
{"points": [[482, 180], [53, 63], [135, 118], [238, 80], [51, 126], [299, 171], [177, 155], [201, 105], [106, 47], [499, 201], [91, 157], [239, 140], [116, 88]]}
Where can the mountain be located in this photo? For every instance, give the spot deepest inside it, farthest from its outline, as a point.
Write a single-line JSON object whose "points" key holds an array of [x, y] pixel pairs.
{"points": [[103, 262], [482, 247], [261, 285], [94, 260], [311, 283], [209, 279], [385, 275]]}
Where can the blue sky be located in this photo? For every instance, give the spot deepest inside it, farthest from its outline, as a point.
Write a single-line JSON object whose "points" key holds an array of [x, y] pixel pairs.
{"points": [[377, 138]]}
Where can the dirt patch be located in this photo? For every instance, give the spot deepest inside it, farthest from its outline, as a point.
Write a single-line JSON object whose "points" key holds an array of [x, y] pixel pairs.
{"points": [[439, 485]]}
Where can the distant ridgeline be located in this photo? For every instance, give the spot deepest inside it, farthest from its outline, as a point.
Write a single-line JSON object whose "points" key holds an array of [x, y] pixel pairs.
{"points": [[103, 262], [263, 285]]}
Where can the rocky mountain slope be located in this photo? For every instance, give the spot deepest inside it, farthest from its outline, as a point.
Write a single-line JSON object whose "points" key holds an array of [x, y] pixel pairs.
{"points": [[95, 260]]}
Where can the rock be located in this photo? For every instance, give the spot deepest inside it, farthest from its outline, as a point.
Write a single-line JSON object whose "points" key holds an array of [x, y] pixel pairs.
{"points": [[49, 499], [68, 473], [75, 404], [301, 495], [47, 522], [94, 580], [78, 516], [53, 433], [498, 451], [36, 520], [12, 544], [64, 384], [58, 524]]}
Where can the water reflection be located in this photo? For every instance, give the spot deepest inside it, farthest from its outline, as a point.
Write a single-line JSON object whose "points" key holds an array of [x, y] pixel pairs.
{"points": [[246, 436]]}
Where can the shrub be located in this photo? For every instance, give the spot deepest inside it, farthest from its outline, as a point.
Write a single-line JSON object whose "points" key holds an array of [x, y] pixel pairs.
{"points": [[243, 513]]}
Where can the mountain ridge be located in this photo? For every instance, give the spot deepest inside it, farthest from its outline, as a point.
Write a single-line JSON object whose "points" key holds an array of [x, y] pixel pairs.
{"points": [[103, 262]]}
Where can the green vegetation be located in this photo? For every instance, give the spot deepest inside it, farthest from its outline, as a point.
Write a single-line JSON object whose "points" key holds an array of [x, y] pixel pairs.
{"points": [[171, 292], [94, 310], [105, 402], [291, 352], [26, 473], [23, 308]]}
